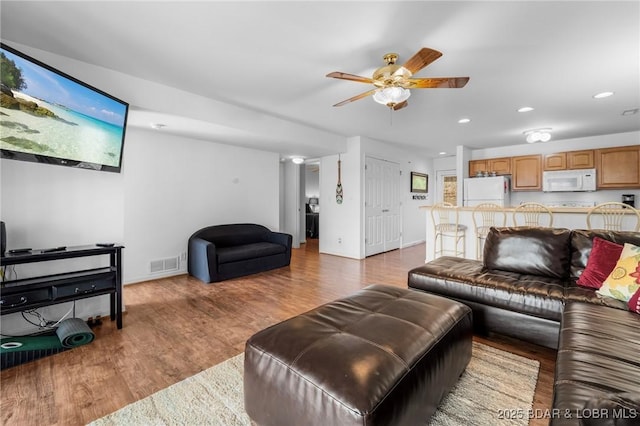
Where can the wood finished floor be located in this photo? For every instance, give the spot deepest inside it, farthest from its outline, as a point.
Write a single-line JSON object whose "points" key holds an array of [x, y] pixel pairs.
{"points": [[176, 327]]}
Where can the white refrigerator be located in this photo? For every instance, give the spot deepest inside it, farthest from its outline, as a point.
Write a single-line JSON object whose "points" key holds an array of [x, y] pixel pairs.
{"points": [[480, 190]]}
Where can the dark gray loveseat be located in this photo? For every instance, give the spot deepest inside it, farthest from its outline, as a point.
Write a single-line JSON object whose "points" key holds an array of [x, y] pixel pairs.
{"points": [[222, 252]]}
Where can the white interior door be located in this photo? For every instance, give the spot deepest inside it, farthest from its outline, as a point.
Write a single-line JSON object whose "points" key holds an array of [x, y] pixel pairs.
{"points": [[382, 206], [391, 205], [373, 236]]}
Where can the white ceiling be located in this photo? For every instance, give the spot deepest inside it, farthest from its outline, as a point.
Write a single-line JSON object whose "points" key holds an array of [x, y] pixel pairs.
{"points": [[269, 59]]}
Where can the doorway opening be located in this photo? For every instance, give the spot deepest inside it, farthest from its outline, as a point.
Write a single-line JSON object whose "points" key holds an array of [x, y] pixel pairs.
{"points": [[447, 186]]}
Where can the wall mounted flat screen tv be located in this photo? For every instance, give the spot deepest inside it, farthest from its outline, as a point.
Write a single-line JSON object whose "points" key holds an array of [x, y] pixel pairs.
{"points": [[47, 116]]}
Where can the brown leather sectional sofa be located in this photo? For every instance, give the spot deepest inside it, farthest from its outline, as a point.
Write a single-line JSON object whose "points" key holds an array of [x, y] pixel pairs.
{"points": [[525, 287]]}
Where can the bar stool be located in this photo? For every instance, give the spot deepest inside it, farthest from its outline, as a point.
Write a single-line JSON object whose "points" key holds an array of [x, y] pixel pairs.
{"points": [[612, 215], [446, 225], [534, 214], [485, 216]]}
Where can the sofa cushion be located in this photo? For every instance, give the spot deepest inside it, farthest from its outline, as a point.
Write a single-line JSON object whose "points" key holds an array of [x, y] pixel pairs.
{"points": [[529, 250], [603, 258], [582, 242], [597, 356], [614, 409], [468, 280], [234, 234], [248, 251], [576, 293], [624, 280]]}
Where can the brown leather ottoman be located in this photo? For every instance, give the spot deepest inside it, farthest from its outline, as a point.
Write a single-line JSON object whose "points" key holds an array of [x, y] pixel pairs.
{"points": [[383, 356]]}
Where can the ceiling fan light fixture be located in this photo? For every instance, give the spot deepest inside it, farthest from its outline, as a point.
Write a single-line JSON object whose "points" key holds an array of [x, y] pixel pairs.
{"points": [[391, 96]]}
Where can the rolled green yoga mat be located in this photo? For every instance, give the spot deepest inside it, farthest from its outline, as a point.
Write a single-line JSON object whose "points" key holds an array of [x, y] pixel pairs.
{"points": [[71, 333]]}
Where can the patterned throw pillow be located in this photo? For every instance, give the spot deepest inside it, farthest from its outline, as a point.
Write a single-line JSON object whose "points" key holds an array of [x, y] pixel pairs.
{"points": [[634, 302], [624, 280], [602, 259]]}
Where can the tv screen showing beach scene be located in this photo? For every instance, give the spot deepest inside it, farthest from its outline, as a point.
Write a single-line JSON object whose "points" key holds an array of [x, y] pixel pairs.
{"points": [[47, 116]]}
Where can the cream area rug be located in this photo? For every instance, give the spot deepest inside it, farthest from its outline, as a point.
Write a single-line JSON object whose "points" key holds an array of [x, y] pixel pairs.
{"points": [[494, 382]]}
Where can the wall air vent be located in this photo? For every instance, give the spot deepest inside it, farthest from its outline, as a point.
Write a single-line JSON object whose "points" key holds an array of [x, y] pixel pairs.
{"points": [[164, 265]]}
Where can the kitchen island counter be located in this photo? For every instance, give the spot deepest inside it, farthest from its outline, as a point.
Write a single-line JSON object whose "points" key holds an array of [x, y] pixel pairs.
{"points": [[563, 217]]}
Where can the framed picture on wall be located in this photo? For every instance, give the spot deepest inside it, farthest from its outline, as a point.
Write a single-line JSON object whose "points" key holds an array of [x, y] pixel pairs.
{"points": [[419, 182]]}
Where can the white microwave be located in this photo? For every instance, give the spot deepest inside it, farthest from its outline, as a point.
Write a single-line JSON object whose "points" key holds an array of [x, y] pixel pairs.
{"points": [[569, 180]]}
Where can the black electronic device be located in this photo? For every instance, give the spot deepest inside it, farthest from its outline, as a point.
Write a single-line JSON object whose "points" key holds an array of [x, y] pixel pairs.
{"points": [[81, 127], [20, 250], [3, 238]]}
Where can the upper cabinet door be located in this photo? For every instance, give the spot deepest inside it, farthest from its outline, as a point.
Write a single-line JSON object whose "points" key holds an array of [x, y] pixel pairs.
{"points": [[476, 166], [618, 167], [526, 173], [501, 166], [557, 161], [581, 159]]}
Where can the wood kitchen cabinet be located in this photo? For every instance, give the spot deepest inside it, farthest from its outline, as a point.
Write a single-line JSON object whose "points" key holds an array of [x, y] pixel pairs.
{"points": [[502, 166], [581, 159], [526, 173], [571, 160], [618, 167], [557, 161], [476, 166]]}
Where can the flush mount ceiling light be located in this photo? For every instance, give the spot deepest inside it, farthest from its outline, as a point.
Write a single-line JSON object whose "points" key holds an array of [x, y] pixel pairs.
{"points": [[464, 120], [602, 95], [297, 160], [157, 126], [538, 135], [525, 109]]}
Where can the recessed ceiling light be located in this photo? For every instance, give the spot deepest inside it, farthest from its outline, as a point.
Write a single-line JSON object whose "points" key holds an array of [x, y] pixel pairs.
{"points": [[525, 109], [630, 111], [157, 126], [442, 153], [297, 160], [602, 95], [464, 120]]}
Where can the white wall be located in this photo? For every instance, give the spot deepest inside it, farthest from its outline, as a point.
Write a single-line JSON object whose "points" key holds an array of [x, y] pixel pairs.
{"points": [[340, 224], [49, 206], [175, 186], [413, 226], [169, 188], [345, 222], [312, 181]]}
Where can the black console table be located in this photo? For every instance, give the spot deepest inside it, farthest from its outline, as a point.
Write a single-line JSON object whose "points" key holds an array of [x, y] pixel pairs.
{"points": [[29, 293]]}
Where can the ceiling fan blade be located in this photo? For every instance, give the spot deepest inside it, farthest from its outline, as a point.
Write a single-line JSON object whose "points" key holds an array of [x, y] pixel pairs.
{"points": [[356, 98], [352, 77], [435, 83], [400, 105], [421, 59]]}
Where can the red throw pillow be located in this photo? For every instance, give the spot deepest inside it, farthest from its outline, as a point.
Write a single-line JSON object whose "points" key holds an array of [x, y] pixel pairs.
{"points": [[603, 258], [634, 302]]}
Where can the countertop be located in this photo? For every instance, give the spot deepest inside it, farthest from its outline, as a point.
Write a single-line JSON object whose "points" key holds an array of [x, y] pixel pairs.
{"points": [[577, 210]]}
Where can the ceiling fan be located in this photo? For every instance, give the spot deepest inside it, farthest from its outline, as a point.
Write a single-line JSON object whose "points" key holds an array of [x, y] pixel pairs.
{"points": [[392, 81]]}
